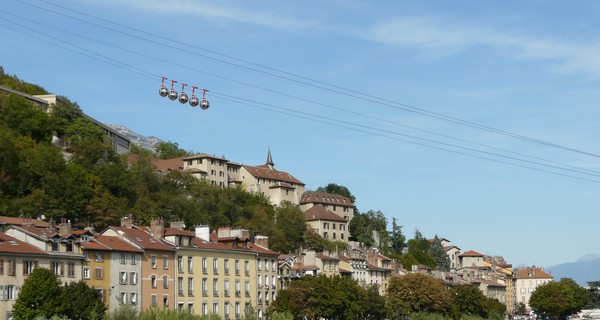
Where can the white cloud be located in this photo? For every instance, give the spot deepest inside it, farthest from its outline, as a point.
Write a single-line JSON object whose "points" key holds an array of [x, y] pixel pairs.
{"points": [[440, 38]]}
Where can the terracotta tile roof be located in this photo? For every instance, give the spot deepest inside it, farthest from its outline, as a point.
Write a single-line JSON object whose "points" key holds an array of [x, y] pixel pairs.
{"points": [[384, 258], [326, 258], [282, 185], [267, 172], [11, 245], [446, 248], [532, 273], [21, 221], [344, 271], [326, 198], [110, 244], [143, 239], [489, 283], [166, 165], [204, 156], [471, 253], [374, 267], [320, 213], [311, 267], [40, 233], [179, 232], [262, 250]]}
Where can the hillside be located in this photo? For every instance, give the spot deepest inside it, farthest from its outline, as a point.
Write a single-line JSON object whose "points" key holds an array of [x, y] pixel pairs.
{"points": [[582, 271]]}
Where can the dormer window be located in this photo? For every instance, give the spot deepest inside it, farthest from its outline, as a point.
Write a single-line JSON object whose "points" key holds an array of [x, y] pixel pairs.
{"points": [[54, 245], [85, 238], [70, 246]]}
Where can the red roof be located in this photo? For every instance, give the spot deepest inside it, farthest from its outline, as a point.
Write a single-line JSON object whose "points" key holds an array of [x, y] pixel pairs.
{"points": [[143, 239], [11, 245], [271, 173], [179, 232], [320, 213], [532, 273], [21, 221], [471, 253], [326, 258], [110, 244]]}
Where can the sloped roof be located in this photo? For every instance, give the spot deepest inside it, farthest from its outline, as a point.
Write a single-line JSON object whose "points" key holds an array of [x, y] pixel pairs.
{"points": [[21, 221], [323, 257], [203, 156], [325, 198], [320, 213], [271, 173], [471, 253], [262, 250], [532, 273], [143, 239], [12, 245], [179, 232], [109, 243]]}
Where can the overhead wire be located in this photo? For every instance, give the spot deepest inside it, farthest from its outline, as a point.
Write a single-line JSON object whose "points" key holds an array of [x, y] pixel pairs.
{"points": [[330, 121], [320, 84]]}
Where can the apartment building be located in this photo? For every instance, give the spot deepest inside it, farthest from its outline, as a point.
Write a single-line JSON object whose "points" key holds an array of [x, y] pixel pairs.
{"points": [[157, 276], [527, 280], [211, 168], [113, 266], [326, 223]]}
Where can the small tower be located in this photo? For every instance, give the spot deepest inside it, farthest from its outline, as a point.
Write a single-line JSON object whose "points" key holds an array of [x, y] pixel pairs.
{"points": [[270, 160]]}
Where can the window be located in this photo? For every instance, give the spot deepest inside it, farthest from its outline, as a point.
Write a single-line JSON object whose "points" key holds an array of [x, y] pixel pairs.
{"points": [[247, 267], [204, 265], [258, 266], [98, 256], [133, 298], [237, 267], [259, 281], [153, 300], [123, 298], [333, 224], [9, 292], [71, 269], [226, 266], [190, 265], [226, 287], [247, 288], [165, 262], [1, 267], [273, 265], [190, 286], [204, 308], [165, 282], [523, 290], [58, 268], [122, 277], [86, 272], [226, 310], [204, 287], [133, 278], [273, 282], [165, 301], [133, 258], [28, 266], [153, 280], [180, 286], [238, 310], [122, 257], [153, 259], [266, 265], [180, 264], [215, 266], [98, 273], [215, 307], [266, 281], [216, 287], [54, 245]]}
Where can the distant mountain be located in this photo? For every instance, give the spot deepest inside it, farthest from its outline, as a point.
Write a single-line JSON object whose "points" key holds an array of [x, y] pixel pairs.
{"points": [[585, 269], [148, 143]]}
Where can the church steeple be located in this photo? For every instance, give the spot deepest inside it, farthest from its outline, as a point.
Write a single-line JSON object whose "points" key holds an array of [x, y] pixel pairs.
{"points": [[270, 160]]}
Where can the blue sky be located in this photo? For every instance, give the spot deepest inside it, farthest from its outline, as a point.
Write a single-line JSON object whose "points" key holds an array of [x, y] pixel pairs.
{"points": [[382, 97]]}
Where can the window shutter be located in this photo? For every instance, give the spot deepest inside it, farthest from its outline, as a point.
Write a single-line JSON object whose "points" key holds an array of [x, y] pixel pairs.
{"points": [[1, 293]]}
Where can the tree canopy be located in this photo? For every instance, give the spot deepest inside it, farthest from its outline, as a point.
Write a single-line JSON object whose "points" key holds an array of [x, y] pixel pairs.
{"points": [[558, 299], [416, 292]]}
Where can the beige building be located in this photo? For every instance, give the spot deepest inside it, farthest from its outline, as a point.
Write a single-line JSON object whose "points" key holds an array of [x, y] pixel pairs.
{"points": [[277, 186], [340, 205], [527, 280], [211, 168], [327, 224], [379, 270]]}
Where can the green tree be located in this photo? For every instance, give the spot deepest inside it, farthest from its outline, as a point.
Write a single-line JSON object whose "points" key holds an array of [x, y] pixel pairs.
{"points": [[594, 292], [39, 296], [438, 253], [558, 299], [467, 300], [168, 150], [82, 302], [418, 247], [290, 227], [416, 292]]}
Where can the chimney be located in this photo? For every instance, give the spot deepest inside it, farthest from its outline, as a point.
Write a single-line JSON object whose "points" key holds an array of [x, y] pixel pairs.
{"points": [[203, 232], [156, 227], [64, 227], [52, 225], [127, 222], [224, 232], [178, 224], [262, 241]]}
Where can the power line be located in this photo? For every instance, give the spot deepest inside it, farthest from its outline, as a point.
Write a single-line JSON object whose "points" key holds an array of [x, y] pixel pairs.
{"points": [[319, 84]]}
